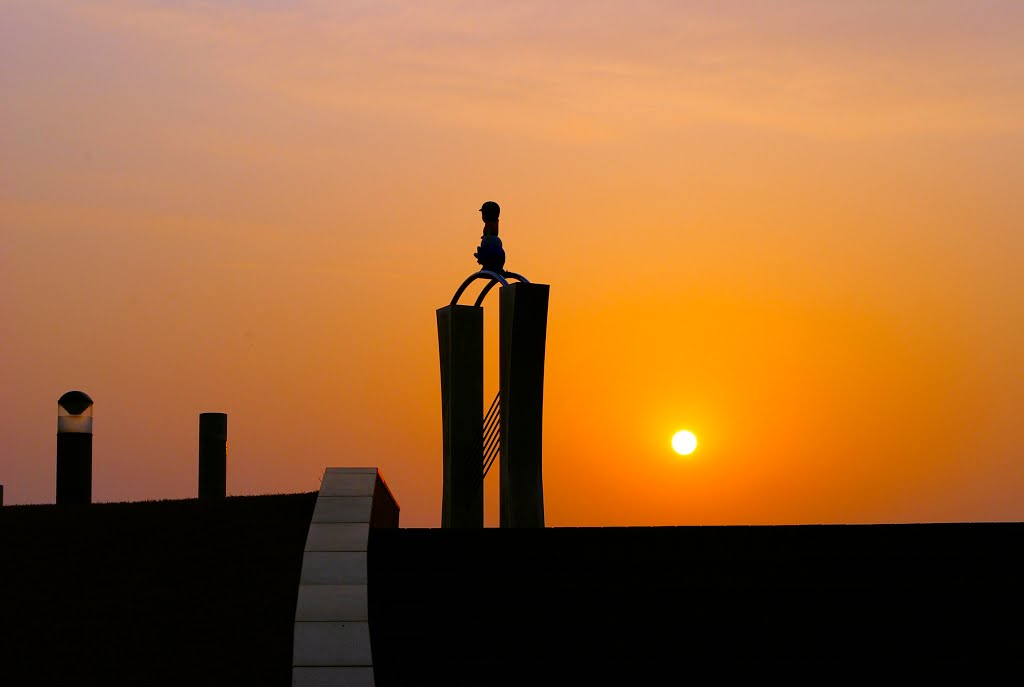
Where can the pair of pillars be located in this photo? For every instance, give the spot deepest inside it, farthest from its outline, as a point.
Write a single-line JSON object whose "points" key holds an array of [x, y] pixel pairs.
{"points": [[522, 334], [74, 451]]}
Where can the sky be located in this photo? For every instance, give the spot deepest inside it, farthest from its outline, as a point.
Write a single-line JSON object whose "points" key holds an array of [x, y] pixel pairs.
{"points": [[794, 229]]}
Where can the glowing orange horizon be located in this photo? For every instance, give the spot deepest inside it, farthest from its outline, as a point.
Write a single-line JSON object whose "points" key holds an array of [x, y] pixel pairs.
{"points": [[750, 222]]}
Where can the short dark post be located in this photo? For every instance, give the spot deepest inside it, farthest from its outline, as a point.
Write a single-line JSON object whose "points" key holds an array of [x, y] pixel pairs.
{"points": [[74, 448], [213, 455], [1, 494]]}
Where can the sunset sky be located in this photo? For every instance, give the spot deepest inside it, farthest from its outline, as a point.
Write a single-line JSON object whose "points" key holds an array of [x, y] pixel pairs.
{"points": [[793, 228]]}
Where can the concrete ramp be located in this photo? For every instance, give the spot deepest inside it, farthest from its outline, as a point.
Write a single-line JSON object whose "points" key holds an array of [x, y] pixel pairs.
{"points": [[332, 629]]}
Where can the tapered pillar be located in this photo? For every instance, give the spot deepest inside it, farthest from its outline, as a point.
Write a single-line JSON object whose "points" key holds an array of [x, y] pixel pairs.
{"points": [[460, 336], [74, 448], [524, 318], [213, 455]]}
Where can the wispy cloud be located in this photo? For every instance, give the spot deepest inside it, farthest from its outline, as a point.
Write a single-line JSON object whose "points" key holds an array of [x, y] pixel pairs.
{"points": [[588, 71]]}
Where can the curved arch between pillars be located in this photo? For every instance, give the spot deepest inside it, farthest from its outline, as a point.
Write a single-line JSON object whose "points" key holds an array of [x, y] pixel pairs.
{"points": [[494, 278]]}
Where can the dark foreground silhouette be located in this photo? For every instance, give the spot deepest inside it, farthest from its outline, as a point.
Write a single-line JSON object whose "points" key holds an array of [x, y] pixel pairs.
{"points": [[667, 605], [201, 593], [153, 593]]}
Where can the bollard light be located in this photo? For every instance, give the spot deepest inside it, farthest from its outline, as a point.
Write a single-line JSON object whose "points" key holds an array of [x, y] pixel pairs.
{"points": [[74, 448]]}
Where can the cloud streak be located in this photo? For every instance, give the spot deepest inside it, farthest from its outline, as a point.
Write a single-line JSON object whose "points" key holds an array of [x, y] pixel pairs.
{"points": [[586, 71]]}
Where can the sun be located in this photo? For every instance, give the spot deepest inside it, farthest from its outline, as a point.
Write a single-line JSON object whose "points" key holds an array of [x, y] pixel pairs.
{"points": [[684, 442]]}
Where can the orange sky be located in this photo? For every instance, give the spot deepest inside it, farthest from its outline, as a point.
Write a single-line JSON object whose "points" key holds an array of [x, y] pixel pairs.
{"points": [[793, 228]]}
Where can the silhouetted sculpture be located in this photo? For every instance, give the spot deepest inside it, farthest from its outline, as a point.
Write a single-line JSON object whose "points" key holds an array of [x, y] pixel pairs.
{"points": [[490, 254], [511, 429]]}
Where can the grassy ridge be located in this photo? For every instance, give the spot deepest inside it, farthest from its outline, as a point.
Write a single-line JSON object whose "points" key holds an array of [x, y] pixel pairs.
{"points": [[157, 593]]}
